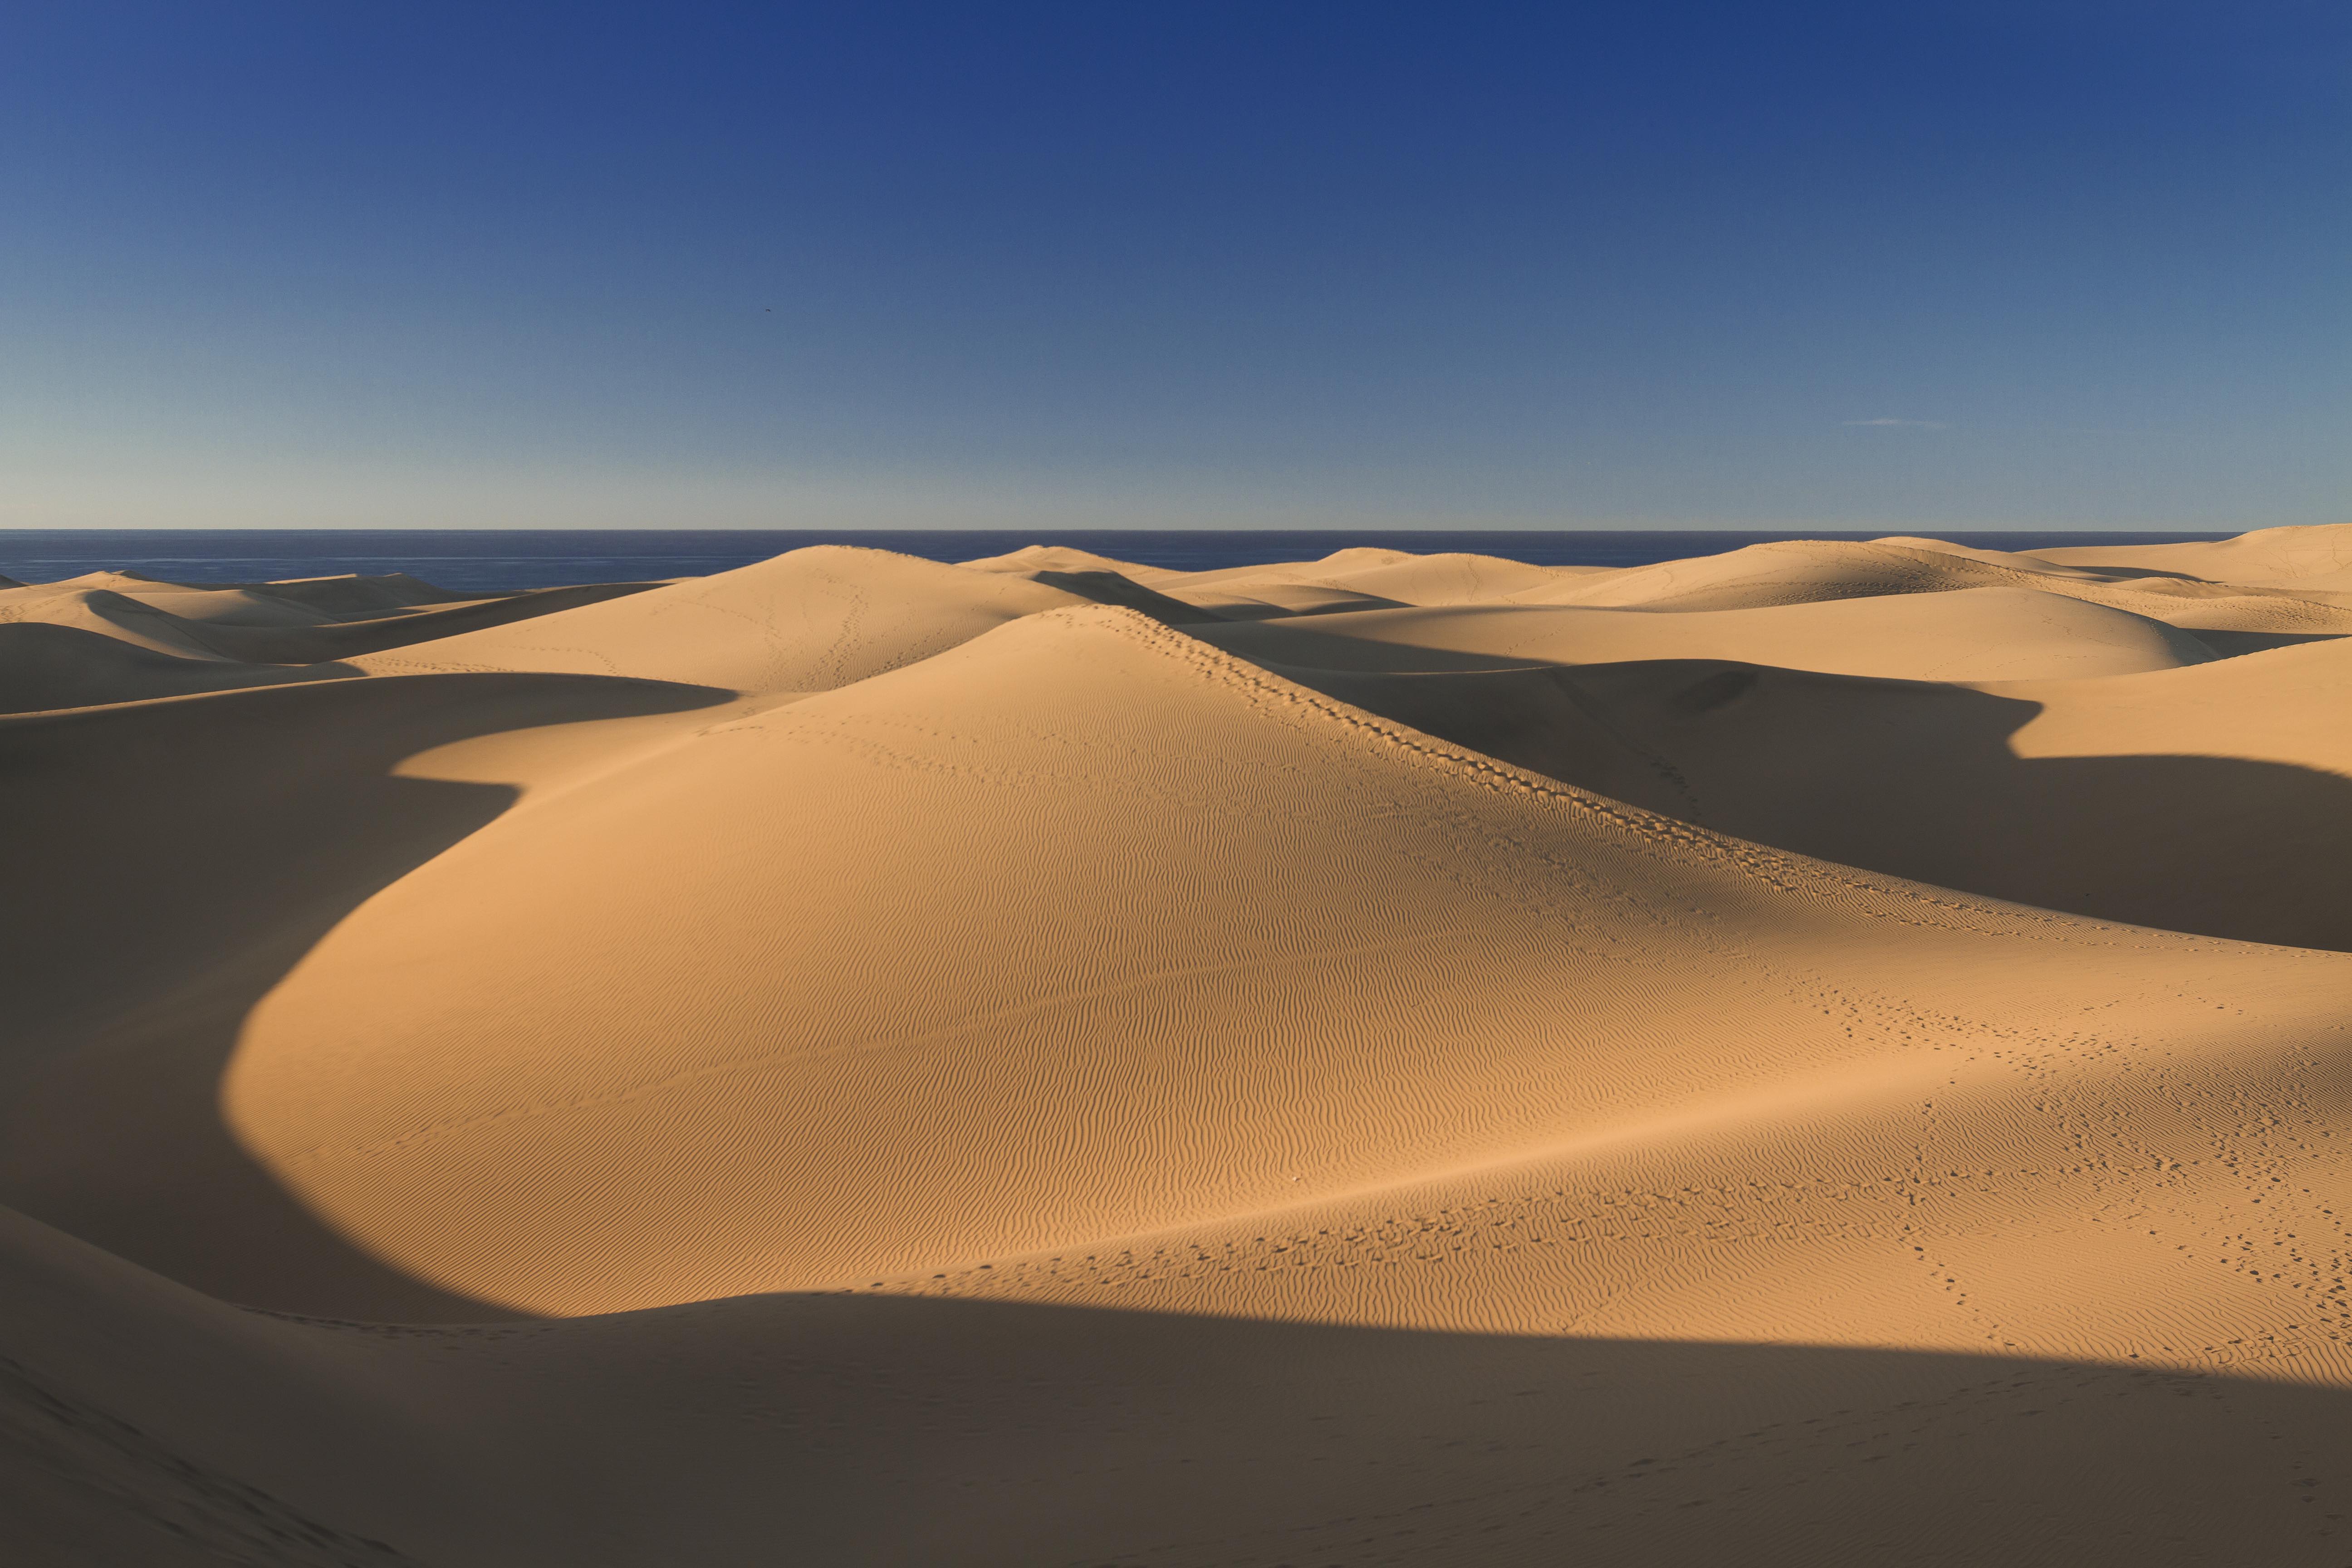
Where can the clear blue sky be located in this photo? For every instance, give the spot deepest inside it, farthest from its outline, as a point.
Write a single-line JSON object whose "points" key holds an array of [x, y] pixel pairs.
{"points": [[1910, 264]]}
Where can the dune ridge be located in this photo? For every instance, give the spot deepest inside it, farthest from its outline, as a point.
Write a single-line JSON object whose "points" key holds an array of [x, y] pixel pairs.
{"points": [[1823, 1053]]}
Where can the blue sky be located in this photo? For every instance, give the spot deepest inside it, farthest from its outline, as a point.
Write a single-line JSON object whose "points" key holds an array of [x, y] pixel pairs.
{"points": [[1095, 264]]}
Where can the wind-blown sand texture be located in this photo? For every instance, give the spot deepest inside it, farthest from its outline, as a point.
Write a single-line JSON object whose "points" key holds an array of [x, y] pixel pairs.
{"points": [[1824, 1054]]}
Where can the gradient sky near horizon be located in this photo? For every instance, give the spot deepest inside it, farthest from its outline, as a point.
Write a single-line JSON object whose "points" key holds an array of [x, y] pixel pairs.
{"points": [[1923, 265]]}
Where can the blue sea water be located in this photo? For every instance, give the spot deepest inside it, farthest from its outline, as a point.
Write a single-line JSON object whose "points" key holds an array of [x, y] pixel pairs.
{"points": [[501, 560]]}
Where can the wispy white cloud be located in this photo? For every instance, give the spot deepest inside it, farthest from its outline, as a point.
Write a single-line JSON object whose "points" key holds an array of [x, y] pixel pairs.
{"points": [[1897, 423]]}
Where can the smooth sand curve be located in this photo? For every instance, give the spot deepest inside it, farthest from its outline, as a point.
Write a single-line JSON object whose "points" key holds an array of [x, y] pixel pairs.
{"points": [[1825, 1054]]}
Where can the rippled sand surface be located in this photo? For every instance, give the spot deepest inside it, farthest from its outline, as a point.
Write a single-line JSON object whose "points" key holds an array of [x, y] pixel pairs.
{"points": [[1829, 1053]]}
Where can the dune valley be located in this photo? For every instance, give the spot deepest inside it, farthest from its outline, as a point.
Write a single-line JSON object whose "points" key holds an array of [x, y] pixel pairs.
{"points": [[1828, 1053]]}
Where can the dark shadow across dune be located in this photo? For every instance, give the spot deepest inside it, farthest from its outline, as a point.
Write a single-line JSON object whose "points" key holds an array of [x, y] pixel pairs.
{"points": [[890, 1430], [1916, 779], [168, 863]]}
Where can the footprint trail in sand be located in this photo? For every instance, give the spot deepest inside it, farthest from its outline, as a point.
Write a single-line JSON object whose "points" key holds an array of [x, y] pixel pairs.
{"points": [[1827, 1053]]}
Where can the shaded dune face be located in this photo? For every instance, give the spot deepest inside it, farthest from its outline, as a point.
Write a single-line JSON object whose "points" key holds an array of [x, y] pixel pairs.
{"points": [[169, 862], [2055, 793], [1964, 635], [875, 1430], [1823, 1053]]}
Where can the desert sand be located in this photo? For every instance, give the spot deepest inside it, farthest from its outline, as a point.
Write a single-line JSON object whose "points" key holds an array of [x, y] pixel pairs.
{"points": [[1824, 1054]]}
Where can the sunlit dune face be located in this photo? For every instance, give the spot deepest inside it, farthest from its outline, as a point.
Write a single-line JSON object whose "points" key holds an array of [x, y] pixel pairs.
{"points": [[1876, 975]]}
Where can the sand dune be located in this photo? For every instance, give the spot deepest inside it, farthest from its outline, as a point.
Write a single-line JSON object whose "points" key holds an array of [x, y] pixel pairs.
{"points": [[1969, 634], [2217, 800], [2295, 558], [1828, 1053], [805, 622], [1781, 573], [276, 624], [1368, 579], [45, 664]]}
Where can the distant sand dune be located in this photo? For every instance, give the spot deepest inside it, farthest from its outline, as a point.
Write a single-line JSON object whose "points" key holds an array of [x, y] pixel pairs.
{"points": [[1969, 634], [270, 626], [1793, 574], [2296, 558], [2216, 800], [805, 622], [1825, 1053]]}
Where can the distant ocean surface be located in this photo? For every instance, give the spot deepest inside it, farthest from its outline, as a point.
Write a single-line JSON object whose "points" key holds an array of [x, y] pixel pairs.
{"points": [[491, 561]]}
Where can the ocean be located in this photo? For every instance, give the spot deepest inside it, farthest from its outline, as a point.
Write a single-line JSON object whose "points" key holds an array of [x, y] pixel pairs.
{"points": [[502, 560]]}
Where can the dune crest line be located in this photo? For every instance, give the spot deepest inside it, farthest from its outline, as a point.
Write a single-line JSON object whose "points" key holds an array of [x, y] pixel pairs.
{"points": [[1830, 1051]]}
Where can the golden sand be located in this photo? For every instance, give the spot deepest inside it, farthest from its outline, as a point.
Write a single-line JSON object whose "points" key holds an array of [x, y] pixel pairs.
{"points": [[1824, 1054]]}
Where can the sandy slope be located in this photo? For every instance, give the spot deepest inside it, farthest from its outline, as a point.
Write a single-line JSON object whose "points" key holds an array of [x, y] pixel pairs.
{"points": [[113, 637], [1969, 634], [1056, 1061], [805, 622], [2294, 558], [1794, 574], [2216, 800]]}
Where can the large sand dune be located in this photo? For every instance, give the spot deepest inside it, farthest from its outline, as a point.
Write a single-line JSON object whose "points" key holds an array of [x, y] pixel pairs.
{"points": [[1824, 1054]]}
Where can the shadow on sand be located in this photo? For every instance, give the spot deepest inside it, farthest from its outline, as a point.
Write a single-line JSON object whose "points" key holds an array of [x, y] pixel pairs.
{"points": [[169, 862], [1912, 778], [882, 1430], [173, 860], [862, 1431]]}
